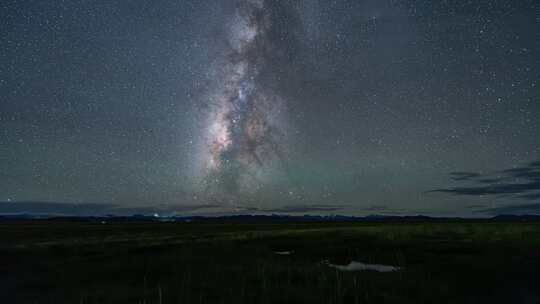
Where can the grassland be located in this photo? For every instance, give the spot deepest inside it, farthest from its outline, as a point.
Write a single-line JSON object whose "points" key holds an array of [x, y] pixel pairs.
{"points": [[152, 262]]}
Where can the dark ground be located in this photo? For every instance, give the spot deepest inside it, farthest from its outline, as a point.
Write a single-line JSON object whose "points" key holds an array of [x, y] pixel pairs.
{"points": [[151, 262]]}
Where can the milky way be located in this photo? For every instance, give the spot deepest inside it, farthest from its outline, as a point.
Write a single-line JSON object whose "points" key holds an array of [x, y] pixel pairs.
{"points": [[245, 129]]}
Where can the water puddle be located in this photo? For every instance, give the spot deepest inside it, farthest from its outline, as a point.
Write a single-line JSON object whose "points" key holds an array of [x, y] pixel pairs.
{"points": [[284, 252], [359, 266]]}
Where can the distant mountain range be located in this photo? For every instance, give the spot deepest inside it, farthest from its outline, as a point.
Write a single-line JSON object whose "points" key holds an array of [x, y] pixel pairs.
{"points": [[263, 218]]}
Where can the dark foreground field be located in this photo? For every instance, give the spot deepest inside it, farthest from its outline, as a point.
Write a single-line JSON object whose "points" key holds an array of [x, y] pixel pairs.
{"points": [[76, 262]]}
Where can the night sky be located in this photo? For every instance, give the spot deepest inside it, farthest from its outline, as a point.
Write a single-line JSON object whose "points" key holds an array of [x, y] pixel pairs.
{"points": [[259, 106]]}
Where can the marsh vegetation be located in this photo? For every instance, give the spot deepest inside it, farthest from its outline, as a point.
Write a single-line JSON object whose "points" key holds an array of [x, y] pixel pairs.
{"points": [[446, 262]]}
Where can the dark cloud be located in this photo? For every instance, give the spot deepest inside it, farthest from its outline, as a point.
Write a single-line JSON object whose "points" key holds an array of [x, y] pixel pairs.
{"points": [[476, 206], [459, 176], [55, 208], [531, 196], [94, 209], [516, 209], [377, 208], [97, 209], [521, 182], [305, 208]]}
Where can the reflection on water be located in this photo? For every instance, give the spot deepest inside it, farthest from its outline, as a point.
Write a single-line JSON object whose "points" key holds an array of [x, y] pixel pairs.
{"points": [[283, 252], [359, 266]]}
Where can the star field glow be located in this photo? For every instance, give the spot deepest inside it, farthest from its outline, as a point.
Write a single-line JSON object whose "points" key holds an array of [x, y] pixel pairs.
{"points": [[349, 106]]}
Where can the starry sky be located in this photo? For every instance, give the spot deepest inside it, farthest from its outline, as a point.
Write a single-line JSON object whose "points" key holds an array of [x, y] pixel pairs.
{"points": [[258, 106]]}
